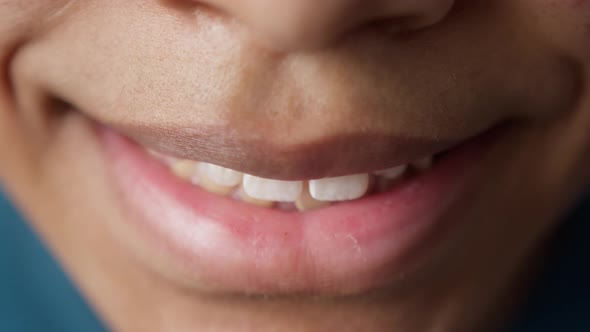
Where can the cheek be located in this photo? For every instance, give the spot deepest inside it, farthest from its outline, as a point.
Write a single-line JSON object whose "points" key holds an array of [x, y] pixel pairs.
{"points": [[570, 4], [575, 3], [564, 25], [569, 7]]}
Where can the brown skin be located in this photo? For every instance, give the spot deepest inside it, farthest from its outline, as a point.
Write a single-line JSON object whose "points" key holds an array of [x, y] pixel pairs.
{"points": [[307, 75]]}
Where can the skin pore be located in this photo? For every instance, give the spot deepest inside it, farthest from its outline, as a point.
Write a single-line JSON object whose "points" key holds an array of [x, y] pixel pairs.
{"points": [[265, 90]]}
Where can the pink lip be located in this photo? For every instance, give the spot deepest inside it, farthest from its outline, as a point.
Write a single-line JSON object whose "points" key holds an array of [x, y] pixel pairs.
{"points": [[232, 246]]}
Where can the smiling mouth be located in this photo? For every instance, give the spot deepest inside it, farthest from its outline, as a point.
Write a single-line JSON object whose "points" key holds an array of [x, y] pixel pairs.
{"points": [[290, 195], [222, 230]]}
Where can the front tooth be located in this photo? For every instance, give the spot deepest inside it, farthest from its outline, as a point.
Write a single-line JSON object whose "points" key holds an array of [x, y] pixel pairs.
{"points": [[306, 203], [340, 188], [220, 175], [392, 173], [184, 169], [423, 164], [242, 195], [272, 190]]}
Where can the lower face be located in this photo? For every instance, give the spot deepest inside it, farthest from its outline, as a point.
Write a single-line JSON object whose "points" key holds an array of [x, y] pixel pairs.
{"points": [[229, 180]]}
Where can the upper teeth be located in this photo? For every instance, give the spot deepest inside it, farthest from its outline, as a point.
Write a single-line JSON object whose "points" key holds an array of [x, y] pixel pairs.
{"points": [[339, 189], [305, 194], [272, 190], [221, 175]]}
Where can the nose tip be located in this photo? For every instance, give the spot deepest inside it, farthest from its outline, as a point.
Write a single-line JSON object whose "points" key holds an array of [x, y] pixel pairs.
{"points": [[302, 24]]}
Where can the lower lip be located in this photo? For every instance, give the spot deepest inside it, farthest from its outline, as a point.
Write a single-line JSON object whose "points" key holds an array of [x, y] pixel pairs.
{"points": [[224, 245]]}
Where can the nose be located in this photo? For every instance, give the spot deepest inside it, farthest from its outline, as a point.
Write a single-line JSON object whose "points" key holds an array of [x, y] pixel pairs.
{"points": [[303, 24]]}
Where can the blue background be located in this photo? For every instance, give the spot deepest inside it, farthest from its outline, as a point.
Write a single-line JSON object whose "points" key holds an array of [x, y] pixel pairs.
{"points": [[35, 295]]}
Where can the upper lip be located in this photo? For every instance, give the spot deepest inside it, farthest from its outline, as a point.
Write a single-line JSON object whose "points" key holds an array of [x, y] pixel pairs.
{"points": [[270, 157]]}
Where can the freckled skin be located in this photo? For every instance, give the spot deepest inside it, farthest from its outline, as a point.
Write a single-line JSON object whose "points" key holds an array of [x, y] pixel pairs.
{"points": [[230, 81]]}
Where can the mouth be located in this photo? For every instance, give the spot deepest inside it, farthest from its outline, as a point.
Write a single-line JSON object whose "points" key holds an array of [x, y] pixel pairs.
{"points": [[227, 231], [284, 195]]}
